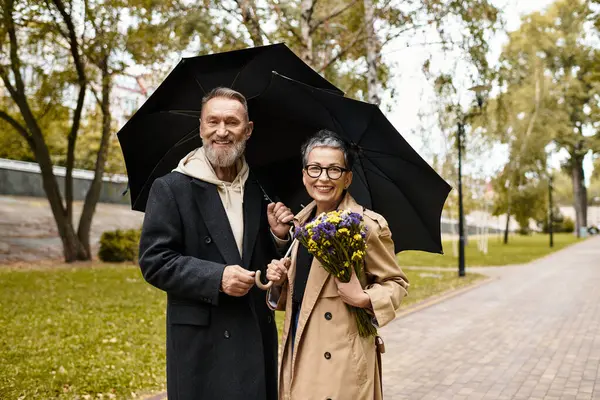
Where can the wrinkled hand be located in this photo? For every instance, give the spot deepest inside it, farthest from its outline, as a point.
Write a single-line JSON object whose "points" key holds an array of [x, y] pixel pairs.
{"points": [[352, 292], [279, 216], [236, 280], [277, 271]]}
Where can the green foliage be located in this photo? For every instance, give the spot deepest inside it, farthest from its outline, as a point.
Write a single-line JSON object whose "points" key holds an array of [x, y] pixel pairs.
{"points": [[69, 333], [525, 200], [119, 245], [519, 250], [568, 225]]}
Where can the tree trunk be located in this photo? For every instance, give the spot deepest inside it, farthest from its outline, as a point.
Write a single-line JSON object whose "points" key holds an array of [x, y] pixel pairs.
{"points": [[72, 248], [93, 194], [579, 193], [506, 228], [306, 12], [371, 50], [250, 21], [71, 141]]}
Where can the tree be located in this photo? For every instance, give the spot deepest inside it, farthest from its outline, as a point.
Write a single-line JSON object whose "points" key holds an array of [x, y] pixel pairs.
{"points": [[594, 190], [574, 66], [338, 38], [57, 53], [39, 86], [548, 84]]}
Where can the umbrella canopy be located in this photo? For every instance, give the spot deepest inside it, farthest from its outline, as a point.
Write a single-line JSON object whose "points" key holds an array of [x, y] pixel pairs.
{"points": [[165, 128], [389, 176]]}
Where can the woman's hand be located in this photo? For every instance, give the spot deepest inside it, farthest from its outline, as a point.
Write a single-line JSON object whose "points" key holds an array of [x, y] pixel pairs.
{"points": [[277, 271], [352, 292]]}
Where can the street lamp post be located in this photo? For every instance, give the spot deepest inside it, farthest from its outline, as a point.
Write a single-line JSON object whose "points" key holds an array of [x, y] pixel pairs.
{"points": [[461, 225], [462, 120], [550, 213]]}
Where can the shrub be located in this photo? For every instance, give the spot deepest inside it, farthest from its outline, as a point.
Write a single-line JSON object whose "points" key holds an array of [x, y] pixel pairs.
{"points": [[119, 245], [568, 225]]}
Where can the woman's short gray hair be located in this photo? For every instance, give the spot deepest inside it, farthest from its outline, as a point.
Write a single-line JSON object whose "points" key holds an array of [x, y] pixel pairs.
{"points": [[326, 138]]}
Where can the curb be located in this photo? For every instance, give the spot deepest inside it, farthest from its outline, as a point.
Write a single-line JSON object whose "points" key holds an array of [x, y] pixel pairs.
{"points": [[413, 308]]}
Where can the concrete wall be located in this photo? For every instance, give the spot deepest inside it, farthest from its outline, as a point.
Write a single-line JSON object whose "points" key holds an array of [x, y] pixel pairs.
{"points": [[18, 178], [593, 214]]}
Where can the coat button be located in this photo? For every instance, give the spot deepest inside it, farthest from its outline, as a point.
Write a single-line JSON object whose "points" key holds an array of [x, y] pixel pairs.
{"points": [[269, 319], [328, 316], [327, 355], [226, 335], [207, 240]]}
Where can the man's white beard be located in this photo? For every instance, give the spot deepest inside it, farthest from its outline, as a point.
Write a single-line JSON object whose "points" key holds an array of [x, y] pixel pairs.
{"points": [[224, 158]]}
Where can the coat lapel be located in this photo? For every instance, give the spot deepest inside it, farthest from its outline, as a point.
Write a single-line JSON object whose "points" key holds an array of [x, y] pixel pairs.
{"points": [[317, 276], [216, 221], [252, 214]]}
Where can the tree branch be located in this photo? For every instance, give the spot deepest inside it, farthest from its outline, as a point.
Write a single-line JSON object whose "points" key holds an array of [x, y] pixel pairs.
{"points": [[64, 34], [331, 16], [284, 19], [359, 35], [15, 124], [250, 21], [81, 77]]}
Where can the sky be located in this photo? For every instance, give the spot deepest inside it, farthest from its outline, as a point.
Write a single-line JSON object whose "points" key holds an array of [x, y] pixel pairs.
{"points": [[414, 95]]}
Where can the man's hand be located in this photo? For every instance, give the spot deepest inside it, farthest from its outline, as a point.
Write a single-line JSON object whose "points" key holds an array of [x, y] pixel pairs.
{"points": [[236, 281], [279, 216], [277, 271]]}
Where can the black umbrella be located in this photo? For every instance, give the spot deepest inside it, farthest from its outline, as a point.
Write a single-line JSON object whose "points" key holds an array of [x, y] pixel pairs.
{"points": [[165, 128], [389, 176]]}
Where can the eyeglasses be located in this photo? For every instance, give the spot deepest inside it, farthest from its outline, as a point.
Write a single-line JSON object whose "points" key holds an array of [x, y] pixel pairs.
{"points": [[334, 172]]}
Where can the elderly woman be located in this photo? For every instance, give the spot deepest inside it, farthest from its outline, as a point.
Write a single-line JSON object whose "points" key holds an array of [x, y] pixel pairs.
{"points": [[323, 355]]}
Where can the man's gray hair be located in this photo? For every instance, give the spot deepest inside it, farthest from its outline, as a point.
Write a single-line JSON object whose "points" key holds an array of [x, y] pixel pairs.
{"points": [[227, 93], [326, 138]]}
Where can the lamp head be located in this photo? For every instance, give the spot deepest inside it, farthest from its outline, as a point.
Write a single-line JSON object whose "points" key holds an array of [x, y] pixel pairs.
{"points": [[480, 91]]}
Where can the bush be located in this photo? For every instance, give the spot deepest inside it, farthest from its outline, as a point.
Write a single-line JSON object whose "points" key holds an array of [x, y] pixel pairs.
{"points": [[119, 245], [568, 225]]}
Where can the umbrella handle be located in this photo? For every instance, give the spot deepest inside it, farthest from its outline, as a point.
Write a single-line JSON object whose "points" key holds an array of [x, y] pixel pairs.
{"points": [[261, 285], [268, 285]]}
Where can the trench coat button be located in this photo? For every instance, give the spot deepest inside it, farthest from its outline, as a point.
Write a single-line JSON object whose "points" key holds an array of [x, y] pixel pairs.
{"points": [[269, 319], [327, 355], [207, 240], [328, 316], [226, 334]]}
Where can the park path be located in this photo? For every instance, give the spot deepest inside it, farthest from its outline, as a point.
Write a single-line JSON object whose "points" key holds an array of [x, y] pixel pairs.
{"points": [[28, 232], [533, 332]]}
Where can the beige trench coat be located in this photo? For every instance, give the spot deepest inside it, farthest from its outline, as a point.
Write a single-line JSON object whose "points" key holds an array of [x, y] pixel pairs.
{"points": [[329, 360]]}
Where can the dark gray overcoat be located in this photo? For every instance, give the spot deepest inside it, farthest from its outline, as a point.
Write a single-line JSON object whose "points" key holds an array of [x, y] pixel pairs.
{"points": [[218, 347]]}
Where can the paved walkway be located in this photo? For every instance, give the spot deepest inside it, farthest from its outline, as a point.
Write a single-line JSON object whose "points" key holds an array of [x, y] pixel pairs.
{"points": [[533, 333], [28, 231]]}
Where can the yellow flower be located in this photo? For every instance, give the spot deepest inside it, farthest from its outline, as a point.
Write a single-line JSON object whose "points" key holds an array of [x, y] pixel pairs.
{"points": [[357, 236], [358, 255]]}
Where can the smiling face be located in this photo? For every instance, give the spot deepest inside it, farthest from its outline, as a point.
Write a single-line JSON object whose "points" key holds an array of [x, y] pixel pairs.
{"points": [[224, 129], [325, 191]]}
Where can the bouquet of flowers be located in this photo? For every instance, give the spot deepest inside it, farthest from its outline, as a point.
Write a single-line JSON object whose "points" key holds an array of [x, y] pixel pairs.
{"points": [[337, 240]]}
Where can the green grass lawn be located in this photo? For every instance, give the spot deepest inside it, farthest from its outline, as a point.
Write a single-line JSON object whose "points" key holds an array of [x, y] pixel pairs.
{"points": [[80, 331], [520, 249], [77, 332]]}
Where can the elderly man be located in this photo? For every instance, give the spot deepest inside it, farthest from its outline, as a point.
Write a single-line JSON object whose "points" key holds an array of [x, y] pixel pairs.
{"points": [[207, 229]]}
